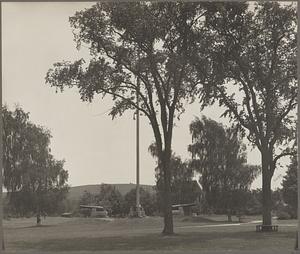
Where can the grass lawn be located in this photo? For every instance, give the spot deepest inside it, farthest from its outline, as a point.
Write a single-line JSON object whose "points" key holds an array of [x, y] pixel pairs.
{"points": [[90, 234]]}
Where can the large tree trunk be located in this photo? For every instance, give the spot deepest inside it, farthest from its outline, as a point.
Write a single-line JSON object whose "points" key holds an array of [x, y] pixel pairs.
{"points": [[164, 159], [168, 216], [266, 190], [267, 199]]}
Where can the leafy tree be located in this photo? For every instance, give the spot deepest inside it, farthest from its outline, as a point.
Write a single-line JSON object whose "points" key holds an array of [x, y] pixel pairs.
{"points": [[87, 198], [254, 202], [184, 189], [35, 181], [251, 70], [290, 188], [138, 40], [110, 198], [14, 136], [148, 201], [220, 158]]}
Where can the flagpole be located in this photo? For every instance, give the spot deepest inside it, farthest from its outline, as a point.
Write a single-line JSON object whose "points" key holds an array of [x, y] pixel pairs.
{"points": [[138, 150]]}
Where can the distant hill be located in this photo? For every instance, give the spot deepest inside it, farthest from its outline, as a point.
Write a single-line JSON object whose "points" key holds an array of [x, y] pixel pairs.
{"points": [[76, 192]]}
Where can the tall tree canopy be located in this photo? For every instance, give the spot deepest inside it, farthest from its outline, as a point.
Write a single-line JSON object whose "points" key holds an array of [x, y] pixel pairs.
{"points": [[35, 181], [220, 157], [138, 40], [252, 72]]}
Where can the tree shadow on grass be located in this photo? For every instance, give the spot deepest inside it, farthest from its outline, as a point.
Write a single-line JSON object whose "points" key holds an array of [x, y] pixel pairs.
{"points": [[38, 226], [185, 241], [200, 219]]}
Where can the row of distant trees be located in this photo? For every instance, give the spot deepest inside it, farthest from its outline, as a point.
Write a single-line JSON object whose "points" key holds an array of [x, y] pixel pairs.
{"points": [[242, 202], [248, 202], [117, 204]]}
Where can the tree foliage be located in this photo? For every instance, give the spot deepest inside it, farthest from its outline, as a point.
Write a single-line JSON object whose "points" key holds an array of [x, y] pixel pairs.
{"points": [[35, 181], [118, 205], [220, 157], [87, 198], [111, 199], [290, 188], [255, 52], [183, 187], [148, 201]]}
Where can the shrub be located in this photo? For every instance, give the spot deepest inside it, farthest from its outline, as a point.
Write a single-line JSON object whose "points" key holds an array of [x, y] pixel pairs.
{"points": [[283, 215]]}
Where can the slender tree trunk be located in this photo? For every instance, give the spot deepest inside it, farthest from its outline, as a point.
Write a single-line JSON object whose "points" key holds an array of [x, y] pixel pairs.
{"points": [[38, 217], [266, 190], [229, 215]]}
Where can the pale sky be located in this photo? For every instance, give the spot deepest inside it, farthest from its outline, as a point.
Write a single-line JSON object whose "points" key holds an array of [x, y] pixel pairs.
{"points": [[96, 148]]}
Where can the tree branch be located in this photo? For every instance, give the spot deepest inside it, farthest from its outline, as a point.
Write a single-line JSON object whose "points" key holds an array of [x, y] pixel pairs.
{"points": [[276, 158]]}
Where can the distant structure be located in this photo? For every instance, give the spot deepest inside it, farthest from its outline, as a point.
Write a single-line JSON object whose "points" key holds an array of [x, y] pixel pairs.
{"points": [[134, 213], [93, 211], [183, 209]]}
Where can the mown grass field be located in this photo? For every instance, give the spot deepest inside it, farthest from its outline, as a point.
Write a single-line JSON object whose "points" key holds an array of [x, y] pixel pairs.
{"points": [[210, 233]]}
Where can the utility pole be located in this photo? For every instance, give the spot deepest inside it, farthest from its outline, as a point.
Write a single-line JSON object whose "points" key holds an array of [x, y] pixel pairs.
{"points": [[138, 205]]}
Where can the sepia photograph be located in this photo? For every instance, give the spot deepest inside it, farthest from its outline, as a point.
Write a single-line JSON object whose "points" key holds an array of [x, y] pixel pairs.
{"points": [[149, 127]]}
